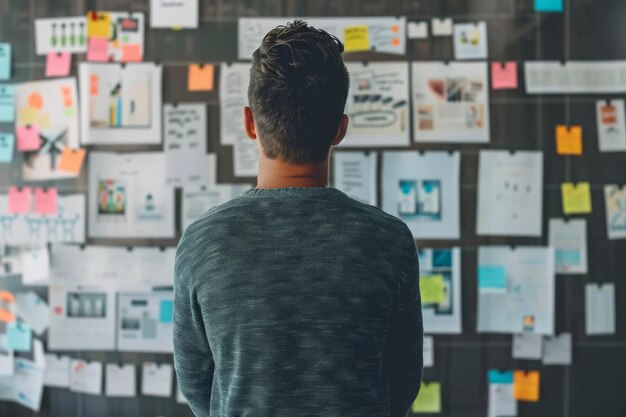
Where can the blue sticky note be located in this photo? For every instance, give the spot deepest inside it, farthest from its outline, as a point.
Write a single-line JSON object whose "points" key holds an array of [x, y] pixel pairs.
{"points": [[19, 337], [492, 277], [500, 377], [564, 258], [7, 144], [166, 311], [548, 5], [7, 103], [5, 61]]}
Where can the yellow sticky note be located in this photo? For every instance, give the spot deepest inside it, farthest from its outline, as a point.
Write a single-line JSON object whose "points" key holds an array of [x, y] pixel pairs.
{"points": [[432, 289], [576, 197], [26, 116], [526, 386], [429, 399], [569, 140], [356, 38], [98, 25]]}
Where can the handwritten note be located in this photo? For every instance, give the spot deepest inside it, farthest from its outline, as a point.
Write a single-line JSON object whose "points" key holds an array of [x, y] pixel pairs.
{"points": [[429, 399], [7, 144], [200, 77], [504, 75], [526, 386], [576, 198], [71, 160], [569, 140], [45, 200], [58, 64], [19, 200], [432, 289], [5, 61], [356, 38]]}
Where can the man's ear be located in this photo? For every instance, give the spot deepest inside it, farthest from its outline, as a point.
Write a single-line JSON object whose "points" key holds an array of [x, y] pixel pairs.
{"points": [[341, 130], [248, 123]]}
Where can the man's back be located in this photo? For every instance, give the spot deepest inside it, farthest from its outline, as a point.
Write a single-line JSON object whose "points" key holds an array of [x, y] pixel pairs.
{"points": [[308, 302]]}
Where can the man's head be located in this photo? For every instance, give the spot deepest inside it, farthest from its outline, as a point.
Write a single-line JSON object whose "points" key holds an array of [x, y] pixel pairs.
{"points": [[297, 94]]}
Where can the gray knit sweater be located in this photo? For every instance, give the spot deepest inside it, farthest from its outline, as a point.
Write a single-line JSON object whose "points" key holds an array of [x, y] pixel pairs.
{"points": [[297, 302]]}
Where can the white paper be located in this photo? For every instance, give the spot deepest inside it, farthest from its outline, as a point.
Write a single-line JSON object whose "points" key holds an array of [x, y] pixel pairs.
{"points": [[120, 104], [615, 203], [33, 310], [423, 191], [554, 77], [156, 380], [127, 30], [470, 41], [450, 102], [86, 377], [52, 107], [121, 380], [527, 346], [35, 266], [417, 30], [386, 34], [57, 372], [61, 34], [234, 80], [355, 174], [569, 240], [197, 200], [527, 306], [184, 127], [144, 322], [600, 309], [6, 359], [378, 104], [501, 402], [510, 192], [28, 380], [83, 318], [129, 197], [442, 27], [611, 125], [557, 350], [174, 14], [428, 351]]}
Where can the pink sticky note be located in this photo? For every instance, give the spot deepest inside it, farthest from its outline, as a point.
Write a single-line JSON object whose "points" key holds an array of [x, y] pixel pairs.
{"points": [[58, 64], [19, 200], [45, 200], [131, 53], [503, 75], [27, 138], [98, 50]]}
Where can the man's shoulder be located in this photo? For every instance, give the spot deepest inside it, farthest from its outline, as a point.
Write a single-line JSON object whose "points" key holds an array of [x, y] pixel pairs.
{"points": [[378, 215]]}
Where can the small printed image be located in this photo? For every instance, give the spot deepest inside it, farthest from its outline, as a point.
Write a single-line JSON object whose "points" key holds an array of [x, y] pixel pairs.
{"points": [[529, 323], [419, 199], [86, 305], [438, 262], [111, 197]]}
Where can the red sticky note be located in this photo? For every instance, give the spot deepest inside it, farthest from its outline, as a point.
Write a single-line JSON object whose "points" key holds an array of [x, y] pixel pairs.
{"points": [[45, 200], [58, 64], [504, 75], [27, 138], [19, 200], [98, 50], [131, 53]]}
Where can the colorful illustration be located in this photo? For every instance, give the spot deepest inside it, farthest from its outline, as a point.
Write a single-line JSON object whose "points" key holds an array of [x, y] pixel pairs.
{"points": [[111, 197], [419, 199]]}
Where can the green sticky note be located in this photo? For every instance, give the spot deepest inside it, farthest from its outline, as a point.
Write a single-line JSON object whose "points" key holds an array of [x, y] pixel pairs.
{"points": [[429, 399], [432, 289]]}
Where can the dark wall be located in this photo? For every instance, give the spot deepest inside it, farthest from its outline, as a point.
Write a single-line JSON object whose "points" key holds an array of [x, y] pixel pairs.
{"points": [[588, 30]]}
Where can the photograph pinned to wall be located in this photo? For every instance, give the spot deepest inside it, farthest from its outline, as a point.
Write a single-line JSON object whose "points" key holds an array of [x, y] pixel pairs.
{"points": [[615, 203], [198, 199], [569, 240], [174, 14], [450, 102], [422, 189], [470, 41], [510, 193], [524, 299], [144, 322], [61, 34], [121, 104], [123, 33], [51, 106], [611, 125], [355, 174], [378, 104], [440, 269]]}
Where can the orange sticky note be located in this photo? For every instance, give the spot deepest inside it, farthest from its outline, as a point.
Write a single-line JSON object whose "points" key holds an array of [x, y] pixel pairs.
{"points": [[503, 75], [7, 307], [200, 77], [71, 160], [526, 386], [19, 200], [58, 64], [131, 53], [569, 140], [98, 50], [27, 138], [45, 200]]}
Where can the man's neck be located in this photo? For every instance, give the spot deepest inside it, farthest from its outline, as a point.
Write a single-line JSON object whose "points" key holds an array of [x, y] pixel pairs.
{"points": [[274, 173]]}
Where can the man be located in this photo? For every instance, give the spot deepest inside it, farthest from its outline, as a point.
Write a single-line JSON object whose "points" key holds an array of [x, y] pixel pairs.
{"points": [[293, 299]]}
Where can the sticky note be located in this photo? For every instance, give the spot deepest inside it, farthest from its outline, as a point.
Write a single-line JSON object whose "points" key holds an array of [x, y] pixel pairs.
{"points": [[526, 386], [432, 289], [441, 27], [503, 75], [19, 200], [27, 138], [45, 200], [7, 144], [131, 52], [417, 30], [356, 38], [7, 103], [492, 277], [7, 307], [200, 77], [98, 25], [98, 50], [549, 5], [429, 399], [500, 377], [71, 160], [58, 64], [576, 197], [5, 61], [569, 140], [19, 337], [166, 311]]}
